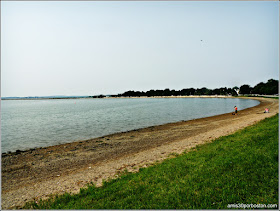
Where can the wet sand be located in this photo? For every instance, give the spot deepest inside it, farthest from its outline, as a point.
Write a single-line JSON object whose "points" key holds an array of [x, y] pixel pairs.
{"points": [[38, 173]]}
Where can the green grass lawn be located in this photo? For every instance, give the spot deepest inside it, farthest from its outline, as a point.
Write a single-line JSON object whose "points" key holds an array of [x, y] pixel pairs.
{"points": [[235, 169]]}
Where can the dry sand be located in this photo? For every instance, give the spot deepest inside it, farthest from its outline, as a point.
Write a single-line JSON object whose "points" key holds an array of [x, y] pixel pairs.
{"points": [[38, 173]]}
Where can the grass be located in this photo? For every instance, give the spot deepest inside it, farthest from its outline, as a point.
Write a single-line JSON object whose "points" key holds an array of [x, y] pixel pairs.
{"points": [[239, 168]]}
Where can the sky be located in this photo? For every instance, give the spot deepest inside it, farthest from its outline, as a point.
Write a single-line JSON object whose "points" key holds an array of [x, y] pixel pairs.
{"points": [[91, 48]]}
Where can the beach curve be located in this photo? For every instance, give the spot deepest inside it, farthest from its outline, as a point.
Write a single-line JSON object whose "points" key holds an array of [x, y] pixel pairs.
{"points": [[38, 173]]}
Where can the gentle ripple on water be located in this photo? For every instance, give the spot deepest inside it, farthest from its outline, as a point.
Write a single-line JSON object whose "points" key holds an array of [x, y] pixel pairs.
{"points": [[28, 124]]}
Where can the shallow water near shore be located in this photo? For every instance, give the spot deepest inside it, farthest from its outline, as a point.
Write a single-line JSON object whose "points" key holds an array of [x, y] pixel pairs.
{"points": [[28, 124]]}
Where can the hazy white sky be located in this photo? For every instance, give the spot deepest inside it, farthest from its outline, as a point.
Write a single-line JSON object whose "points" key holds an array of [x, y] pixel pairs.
{"points": [[89, 48]]}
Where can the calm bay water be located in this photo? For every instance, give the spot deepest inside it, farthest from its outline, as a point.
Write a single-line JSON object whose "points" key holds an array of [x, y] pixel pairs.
{"points": [[28, 124]]}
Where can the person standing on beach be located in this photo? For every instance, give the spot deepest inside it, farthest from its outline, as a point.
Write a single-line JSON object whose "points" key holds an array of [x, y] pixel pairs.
{"points": [[235, 108]]}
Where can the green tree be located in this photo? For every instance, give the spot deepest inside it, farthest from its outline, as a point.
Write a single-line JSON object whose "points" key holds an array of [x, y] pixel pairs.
{"points": [[259, 88], [272, 87], [167, 92], [245, 89]]}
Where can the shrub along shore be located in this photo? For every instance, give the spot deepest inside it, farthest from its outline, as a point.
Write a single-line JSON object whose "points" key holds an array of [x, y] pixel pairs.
{"points": [[241, 168]]}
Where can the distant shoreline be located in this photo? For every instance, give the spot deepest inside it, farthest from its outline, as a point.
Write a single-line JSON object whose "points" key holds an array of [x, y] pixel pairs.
{"points": [[183, 96]]}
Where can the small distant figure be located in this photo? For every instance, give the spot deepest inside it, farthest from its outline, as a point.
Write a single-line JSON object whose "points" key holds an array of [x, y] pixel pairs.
{"points": [[266, 110], [235, 111]]}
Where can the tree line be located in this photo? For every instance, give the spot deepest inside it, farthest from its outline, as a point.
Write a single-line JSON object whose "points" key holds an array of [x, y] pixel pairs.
{"points": [[268, 88], [189, 91]]}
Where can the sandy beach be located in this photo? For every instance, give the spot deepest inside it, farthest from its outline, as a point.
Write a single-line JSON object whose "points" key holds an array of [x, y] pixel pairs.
{"points": [[38, 173]]}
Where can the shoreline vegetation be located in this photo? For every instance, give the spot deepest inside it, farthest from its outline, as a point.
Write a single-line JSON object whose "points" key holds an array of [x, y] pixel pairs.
{"points": [[241, 168], [43, 172], [270, 88], [248, 96]]}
